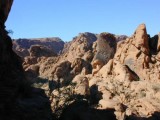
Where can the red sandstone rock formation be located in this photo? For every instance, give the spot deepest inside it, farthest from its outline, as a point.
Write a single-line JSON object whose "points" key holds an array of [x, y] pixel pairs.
{"points": [[121, 75]]}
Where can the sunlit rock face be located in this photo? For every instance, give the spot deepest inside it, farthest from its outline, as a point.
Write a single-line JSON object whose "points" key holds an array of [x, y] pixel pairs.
{"points": [[125, 75], [140, 53], [119, 73]]}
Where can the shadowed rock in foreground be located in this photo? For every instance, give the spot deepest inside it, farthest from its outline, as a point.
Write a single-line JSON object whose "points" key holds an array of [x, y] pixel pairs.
{"points": [[18, 101], [81, 111]]}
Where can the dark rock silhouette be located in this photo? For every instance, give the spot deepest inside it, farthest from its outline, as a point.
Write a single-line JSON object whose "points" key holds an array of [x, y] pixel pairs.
{"points": [[18, 101]]}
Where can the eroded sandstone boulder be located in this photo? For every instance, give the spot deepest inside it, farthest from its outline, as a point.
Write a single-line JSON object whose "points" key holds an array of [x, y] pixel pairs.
{"points": [[82, 85], [141, 39], [39, 51], [80, 66], [80, 45], [104, 49], [138, 59]]}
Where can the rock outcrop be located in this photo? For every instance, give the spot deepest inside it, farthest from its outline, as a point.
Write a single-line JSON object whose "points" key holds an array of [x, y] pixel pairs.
{"points": [[130, 74], [107, 70], [39, 51], [104, 49], [104, 69], [136, 54], [80, 46]]}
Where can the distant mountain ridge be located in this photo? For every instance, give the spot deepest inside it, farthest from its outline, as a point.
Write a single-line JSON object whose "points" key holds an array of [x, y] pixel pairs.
{"points": [[22, 46]]}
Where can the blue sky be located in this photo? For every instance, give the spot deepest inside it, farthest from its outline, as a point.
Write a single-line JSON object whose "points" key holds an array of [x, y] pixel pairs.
{"points": [[67, 18]]}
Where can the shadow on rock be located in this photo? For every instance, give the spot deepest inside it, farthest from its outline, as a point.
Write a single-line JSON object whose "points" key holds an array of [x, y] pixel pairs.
{"points": [[80, 110], [95, 95], [36, 106], [155, 116]]}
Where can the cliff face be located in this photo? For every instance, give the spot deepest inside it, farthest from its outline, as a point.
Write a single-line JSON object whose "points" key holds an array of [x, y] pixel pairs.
{"points": [[17, 99], [5, 7], [10, 64]]}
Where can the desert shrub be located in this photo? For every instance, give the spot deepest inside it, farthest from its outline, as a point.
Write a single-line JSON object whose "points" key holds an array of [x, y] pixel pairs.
{"points": [[62, 97]]}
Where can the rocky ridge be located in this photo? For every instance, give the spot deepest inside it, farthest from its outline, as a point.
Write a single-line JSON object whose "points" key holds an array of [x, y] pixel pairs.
{"points": [[22, 46]]}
